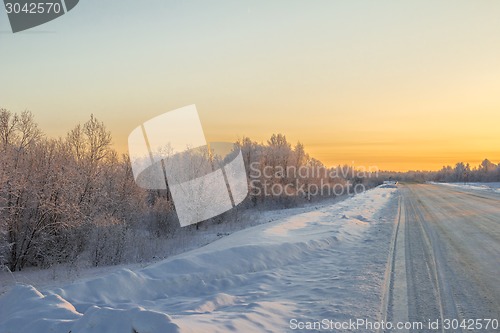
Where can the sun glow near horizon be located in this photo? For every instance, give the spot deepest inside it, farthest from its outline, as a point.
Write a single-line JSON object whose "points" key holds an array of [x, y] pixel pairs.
{"points": [[402, 86]]}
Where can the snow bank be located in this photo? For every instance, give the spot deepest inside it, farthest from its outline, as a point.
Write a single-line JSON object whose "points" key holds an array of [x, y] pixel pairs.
{"points": [[99, 320], [490, 187], [25, 309], [233, 284]]}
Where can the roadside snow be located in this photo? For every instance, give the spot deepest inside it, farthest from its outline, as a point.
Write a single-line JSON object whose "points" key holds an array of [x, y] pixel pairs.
{"points": [[159, 248], [309, 266], [491, 187]]}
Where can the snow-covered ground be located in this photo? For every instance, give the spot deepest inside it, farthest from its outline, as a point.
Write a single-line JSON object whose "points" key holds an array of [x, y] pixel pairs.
{"points": [[492, 187], [327, 263]]}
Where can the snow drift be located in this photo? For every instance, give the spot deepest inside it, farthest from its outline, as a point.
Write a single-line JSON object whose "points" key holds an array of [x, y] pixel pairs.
{"points": [[253, 280]]}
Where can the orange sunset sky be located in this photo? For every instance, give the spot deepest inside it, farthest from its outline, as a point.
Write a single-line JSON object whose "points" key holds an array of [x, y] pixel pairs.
{"points": [[398, 85]]}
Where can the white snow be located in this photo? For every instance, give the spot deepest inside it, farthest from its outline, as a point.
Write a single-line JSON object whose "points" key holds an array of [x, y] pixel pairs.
{"points": [[491, 187], [326, 263]]}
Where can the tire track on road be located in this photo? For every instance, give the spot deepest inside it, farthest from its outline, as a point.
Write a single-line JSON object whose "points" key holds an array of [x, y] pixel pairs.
{"points": [[441, 235]]}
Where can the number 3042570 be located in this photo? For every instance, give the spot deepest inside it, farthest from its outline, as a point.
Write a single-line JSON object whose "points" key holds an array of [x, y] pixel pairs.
{"points": [[33, 8]]}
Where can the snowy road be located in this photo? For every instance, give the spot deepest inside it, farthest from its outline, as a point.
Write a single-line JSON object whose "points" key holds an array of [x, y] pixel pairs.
{"points": [[446, 262]]}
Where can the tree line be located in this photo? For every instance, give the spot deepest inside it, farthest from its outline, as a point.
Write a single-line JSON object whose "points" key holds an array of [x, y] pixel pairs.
{"points": [[73, 199], [461, 172]]}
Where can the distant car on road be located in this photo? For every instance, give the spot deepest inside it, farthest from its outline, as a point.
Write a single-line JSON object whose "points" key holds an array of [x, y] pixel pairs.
{"points": [[389, 184]]}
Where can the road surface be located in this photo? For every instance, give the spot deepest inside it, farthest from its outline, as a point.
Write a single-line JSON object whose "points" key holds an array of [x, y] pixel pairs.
{"points": [[446, 260]]}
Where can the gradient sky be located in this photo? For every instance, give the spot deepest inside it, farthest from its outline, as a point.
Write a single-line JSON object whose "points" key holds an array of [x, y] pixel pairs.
{"points": [[396, 84]]}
